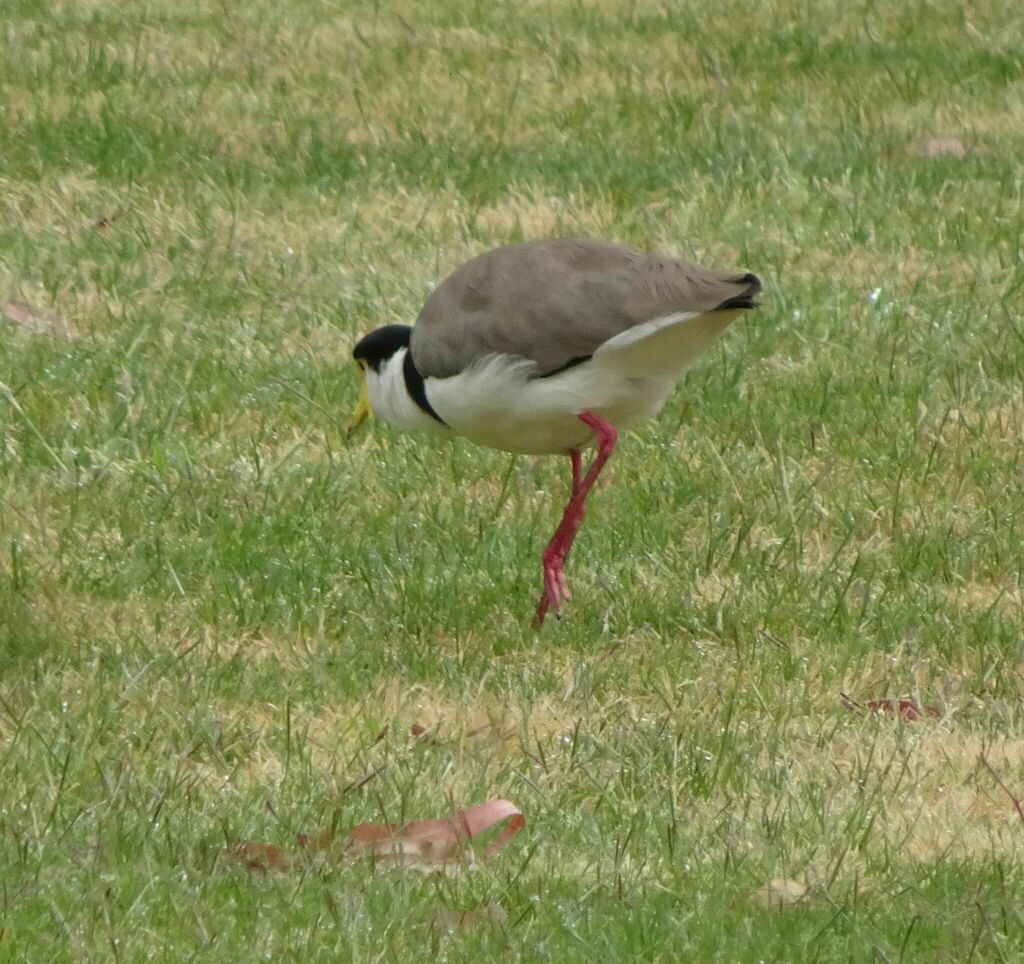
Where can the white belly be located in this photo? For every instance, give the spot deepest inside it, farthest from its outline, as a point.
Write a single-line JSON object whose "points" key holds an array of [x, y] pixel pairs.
{"points": [[499, 402], [499, 405]]}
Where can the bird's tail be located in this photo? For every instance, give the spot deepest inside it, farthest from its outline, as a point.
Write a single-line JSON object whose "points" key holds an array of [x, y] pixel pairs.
{"points": [[745, 299]]}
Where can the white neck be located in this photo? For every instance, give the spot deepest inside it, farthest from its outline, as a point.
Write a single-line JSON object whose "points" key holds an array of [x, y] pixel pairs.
{"points": [[390, 399]]}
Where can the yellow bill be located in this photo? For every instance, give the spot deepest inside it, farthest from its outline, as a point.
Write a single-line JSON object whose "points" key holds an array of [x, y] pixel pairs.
{"points": [[363, 407]]}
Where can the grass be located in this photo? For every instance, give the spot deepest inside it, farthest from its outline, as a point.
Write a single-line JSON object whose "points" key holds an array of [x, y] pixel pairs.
{"points": [[217, 617]]}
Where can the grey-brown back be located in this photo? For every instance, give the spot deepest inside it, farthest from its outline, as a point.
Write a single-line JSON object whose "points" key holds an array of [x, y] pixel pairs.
{"points": [[557, 301]]}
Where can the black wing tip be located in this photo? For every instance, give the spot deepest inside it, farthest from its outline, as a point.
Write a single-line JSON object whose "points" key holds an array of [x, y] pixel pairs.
{"points": [[571, 363], [746, 298]]}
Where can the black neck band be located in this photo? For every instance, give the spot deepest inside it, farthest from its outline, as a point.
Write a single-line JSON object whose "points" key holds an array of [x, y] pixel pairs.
{"points": [[415, 387]]}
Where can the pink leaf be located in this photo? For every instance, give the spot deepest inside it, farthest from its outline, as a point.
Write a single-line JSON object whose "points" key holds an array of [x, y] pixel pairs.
{"points": [[437, 842], [36, 319], [419, 845]]}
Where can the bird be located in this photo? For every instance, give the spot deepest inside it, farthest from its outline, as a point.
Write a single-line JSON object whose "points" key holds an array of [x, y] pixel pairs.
{"points": [[549, 347]]}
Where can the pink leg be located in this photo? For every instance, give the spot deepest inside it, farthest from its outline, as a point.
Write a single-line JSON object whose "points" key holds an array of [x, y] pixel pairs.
{"points": [[556, 589], [577, 471], [553, 557]]}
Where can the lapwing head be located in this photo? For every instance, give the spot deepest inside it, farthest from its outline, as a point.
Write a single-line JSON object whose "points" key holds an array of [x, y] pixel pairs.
{"points": [[375, 355]]}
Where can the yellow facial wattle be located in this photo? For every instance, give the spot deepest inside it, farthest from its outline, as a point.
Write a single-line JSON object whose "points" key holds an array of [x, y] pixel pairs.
{"points": [[363, 406]]}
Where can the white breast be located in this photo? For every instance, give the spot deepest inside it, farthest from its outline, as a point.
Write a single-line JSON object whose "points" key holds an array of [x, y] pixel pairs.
{"points": [[390, 399]]}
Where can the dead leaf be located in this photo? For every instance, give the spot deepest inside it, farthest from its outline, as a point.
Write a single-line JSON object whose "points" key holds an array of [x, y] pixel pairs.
{"points": [[316, 845], [780, 892], [903, 708], [36, 319], [422, 845], [440, 843], [259, 857], [425, 734], [938, 147]]}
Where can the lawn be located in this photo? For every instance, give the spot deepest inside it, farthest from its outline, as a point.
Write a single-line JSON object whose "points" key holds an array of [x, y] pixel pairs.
{"points": [[222, 620]]}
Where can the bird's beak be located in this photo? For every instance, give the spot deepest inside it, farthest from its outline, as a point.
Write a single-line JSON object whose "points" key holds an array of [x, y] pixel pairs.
{"points": [[363, 407]]}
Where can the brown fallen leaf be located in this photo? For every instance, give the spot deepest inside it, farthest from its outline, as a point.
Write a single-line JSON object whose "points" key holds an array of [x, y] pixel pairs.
{"points": [[425, 734], [780, 892], [318, 844], [904, 708], [424, 845], [945, 146], [37, 319], [259, 857]]}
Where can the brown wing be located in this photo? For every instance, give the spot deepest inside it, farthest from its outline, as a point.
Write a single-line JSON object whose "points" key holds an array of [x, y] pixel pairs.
{"points": [[556, 301]]}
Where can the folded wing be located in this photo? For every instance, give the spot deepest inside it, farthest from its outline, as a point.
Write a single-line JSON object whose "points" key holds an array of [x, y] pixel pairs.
{"points": [[557, 302]]}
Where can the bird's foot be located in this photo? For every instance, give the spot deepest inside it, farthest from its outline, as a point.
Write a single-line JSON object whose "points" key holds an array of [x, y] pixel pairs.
{"points": [[556, 589]]}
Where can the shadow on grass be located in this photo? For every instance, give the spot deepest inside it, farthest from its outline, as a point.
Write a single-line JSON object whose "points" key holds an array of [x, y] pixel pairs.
{"points": [[25, 635]]}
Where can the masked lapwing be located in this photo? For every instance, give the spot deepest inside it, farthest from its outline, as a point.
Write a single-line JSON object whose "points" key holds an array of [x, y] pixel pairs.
{"points": [[549, 347]]}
